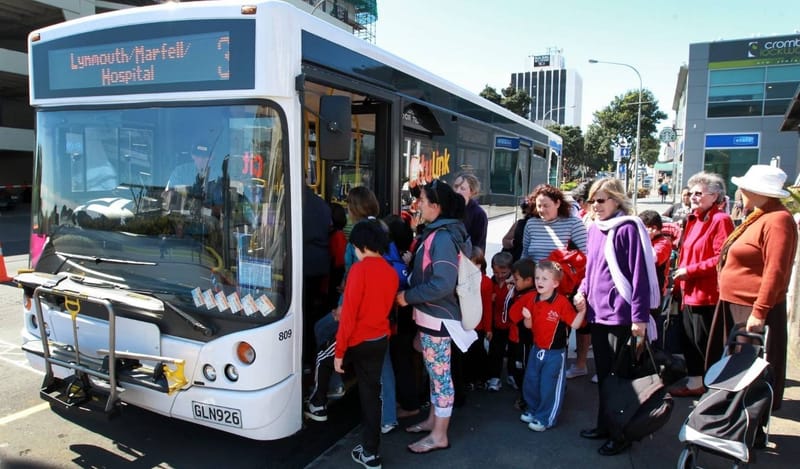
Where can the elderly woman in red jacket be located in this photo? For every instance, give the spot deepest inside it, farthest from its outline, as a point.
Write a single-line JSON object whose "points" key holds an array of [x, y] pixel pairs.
{"points": [[707, 228], [755, 268]]}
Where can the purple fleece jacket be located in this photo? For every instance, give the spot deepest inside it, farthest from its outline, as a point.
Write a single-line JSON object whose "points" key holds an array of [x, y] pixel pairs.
{"points": [[604, 304]]}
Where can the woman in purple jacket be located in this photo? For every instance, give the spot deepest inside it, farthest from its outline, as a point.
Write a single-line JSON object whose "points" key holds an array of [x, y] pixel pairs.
{"points": [[618, 289]]}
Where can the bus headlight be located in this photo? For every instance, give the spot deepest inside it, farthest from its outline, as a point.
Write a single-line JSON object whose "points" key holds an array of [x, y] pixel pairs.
{"points": [[231, 373], [209, 372], [246, 353]]}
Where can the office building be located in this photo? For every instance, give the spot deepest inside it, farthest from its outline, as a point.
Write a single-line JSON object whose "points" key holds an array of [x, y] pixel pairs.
{"points": [[730, 103], [555, 91]]}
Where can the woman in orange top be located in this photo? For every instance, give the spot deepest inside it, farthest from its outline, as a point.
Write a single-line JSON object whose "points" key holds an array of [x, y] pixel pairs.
{"points": [[755, 267]]}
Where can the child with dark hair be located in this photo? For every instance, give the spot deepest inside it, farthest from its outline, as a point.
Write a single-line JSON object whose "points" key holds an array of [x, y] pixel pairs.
{"points": [[498, 334], [549, 316], [519, 337], [476, 368], [363, 335], [662, 246]]}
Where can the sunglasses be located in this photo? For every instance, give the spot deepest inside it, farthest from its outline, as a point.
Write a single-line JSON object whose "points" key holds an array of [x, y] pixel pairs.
{"points": [[697, 194], [599, 201]]}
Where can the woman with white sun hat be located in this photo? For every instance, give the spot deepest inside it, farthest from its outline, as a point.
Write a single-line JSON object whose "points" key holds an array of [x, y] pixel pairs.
{"points": [[754, 270]]}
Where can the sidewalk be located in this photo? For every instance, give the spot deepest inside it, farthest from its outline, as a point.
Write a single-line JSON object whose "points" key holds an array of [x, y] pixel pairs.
{"points": [[486, 432]]}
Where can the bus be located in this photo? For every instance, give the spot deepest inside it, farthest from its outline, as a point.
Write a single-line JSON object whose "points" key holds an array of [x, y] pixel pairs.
{"points": [[174, 147]]}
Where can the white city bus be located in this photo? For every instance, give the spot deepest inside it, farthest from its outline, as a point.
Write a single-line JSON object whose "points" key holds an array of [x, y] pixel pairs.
{"points": [[172, 146]]}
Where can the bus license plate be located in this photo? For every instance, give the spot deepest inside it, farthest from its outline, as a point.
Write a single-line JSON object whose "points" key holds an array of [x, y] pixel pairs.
{"points": [[217, 414]]}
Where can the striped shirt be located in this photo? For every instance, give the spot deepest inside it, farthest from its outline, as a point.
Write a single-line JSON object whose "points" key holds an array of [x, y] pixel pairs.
{"points": [[538, 242]]}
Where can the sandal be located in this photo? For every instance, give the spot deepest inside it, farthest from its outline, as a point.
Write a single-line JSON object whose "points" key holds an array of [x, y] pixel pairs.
{"points": [[417, 428], [426, 445]]}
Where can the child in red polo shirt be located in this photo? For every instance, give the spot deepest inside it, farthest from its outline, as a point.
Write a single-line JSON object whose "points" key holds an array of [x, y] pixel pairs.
{"points": [[550, 317], [520, 339], [498, 334]]}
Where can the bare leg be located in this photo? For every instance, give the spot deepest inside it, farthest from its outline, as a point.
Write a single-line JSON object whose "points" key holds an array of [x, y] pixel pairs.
{"points": [[583, 343]]}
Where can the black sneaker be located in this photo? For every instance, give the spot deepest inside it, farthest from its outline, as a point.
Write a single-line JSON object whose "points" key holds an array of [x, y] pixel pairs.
{"points": [[318, 414], [360, 456]]}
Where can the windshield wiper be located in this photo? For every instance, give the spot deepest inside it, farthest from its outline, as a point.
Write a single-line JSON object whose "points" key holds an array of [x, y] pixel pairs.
{"points": [[196, 324], [100, 260]]}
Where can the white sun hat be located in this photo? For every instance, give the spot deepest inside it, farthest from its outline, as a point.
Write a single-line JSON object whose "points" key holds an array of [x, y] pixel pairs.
{"points": [[763, 179]]}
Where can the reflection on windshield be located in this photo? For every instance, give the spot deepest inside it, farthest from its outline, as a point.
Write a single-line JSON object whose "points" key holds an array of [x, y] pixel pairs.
{"points": [[185, 201]]}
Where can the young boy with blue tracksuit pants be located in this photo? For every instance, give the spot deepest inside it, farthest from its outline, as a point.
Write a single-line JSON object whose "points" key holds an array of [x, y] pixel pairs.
{"points": [[549, 316]]}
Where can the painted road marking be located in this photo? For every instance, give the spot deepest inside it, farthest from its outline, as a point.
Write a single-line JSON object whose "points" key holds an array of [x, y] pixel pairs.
{"points": [[13, 355], [24, 413]]}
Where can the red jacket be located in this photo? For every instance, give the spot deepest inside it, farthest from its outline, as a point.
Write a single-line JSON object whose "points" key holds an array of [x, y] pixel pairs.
{"points": [[662, 248], [499, 293], [704, 235], [369, 295], [486, 298]]}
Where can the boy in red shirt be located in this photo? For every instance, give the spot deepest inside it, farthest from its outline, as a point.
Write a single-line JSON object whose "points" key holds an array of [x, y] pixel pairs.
{"points": [[550, 317], [498, 334], [363, 334]]}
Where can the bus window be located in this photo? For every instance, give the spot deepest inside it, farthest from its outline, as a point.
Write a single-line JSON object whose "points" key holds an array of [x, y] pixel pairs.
{"points": [[211, 238]]}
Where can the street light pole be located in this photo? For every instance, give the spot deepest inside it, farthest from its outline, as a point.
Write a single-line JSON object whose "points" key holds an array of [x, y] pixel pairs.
{"points": [[638, 128], [544, 117]]}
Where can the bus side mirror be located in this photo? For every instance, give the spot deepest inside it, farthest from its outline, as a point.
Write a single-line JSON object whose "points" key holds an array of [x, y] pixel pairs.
{"points": [[335, 129]]}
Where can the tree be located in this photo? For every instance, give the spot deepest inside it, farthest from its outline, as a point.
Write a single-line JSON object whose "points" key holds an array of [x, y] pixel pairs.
{"points": [[515, 100], [618, 119], [492, 95], [572, 149]]}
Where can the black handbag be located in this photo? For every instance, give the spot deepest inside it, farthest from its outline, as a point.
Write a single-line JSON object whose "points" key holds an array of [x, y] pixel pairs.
{"points": [[635, 400]]}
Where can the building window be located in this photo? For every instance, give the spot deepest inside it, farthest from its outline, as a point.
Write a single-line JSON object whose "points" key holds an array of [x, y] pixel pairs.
{"points": [[730, 162], [751, 91]]}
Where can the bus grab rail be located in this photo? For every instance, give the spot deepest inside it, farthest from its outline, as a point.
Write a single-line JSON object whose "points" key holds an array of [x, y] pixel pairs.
{"points": [[72, 305]]}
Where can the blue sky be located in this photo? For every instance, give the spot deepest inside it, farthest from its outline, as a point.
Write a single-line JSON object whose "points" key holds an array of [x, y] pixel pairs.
{"points": [[473, 43]]}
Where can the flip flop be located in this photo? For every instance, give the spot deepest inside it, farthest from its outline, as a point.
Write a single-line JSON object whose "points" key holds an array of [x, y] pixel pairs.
{"points": [[416, 428], [427, 446]]}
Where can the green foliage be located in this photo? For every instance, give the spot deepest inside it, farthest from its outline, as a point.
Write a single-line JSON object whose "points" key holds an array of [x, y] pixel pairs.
{"points": [[573, 147], [516, 101], [618, 119], [492, 95]]}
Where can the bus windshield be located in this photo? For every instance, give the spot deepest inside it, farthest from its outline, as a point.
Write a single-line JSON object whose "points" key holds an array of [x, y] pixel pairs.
{"points": [[185, 203]]}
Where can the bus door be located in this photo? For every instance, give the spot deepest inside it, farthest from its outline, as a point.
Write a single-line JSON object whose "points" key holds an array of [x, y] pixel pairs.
{"points": [[369, 160]]}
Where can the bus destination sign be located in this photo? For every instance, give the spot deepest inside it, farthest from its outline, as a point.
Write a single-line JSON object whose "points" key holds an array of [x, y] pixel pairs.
{"points": [[187, 58]]}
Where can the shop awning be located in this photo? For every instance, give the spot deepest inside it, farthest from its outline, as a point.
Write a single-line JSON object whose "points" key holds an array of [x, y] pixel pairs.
{"points": [[664, 166]]}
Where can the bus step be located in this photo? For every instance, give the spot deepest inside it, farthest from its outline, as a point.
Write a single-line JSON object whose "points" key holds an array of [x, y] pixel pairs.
{"points": [[76, 393]]}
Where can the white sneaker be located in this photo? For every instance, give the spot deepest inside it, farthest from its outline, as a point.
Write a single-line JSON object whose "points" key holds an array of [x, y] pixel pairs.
{"points": [[574, 372], [527, 417], [493, 384], [371, 461], [594, 378], [388, 427], [537, 426]]}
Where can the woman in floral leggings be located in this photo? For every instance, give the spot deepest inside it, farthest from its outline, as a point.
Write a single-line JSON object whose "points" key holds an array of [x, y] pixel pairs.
{"points": [[436, 312]]}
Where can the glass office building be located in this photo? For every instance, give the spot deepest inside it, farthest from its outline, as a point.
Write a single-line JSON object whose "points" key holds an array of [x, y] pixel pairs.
{"points": [[730, 106]]}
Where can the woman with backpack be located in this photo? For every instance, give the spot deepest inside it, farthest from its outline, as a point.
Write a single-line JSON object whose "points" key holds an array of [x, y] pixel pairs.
{"points": [[432, 294]]}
